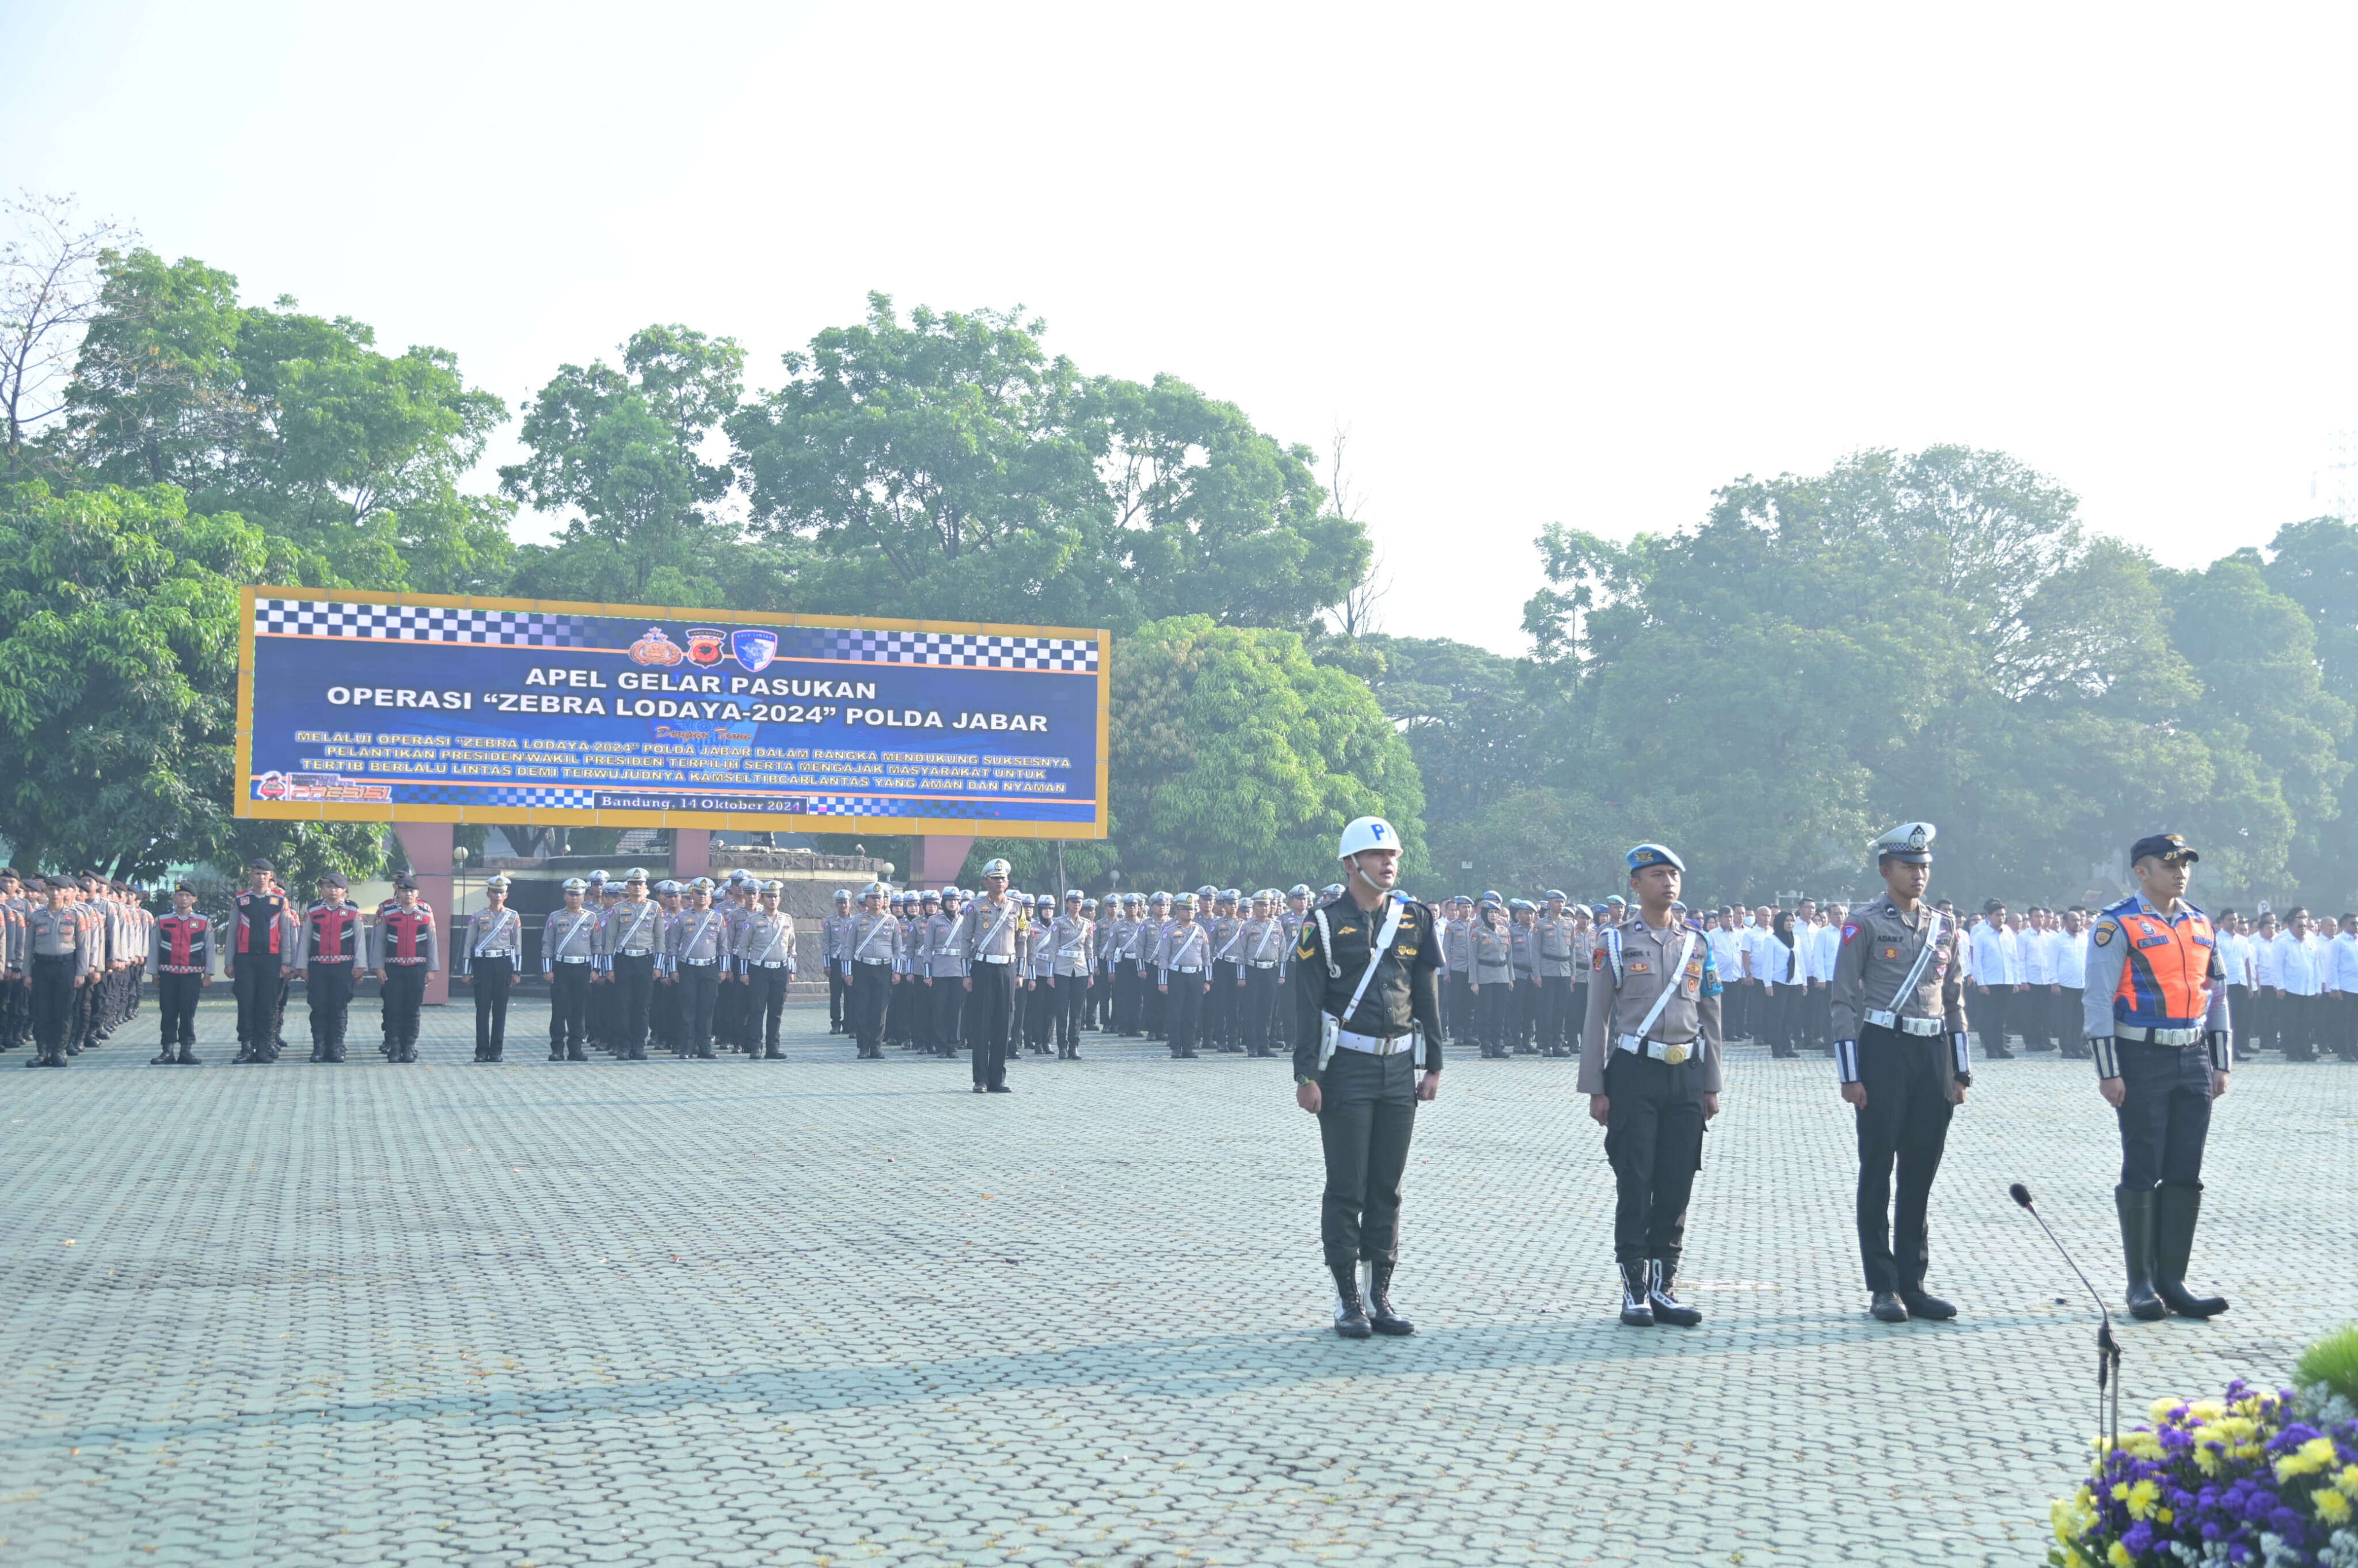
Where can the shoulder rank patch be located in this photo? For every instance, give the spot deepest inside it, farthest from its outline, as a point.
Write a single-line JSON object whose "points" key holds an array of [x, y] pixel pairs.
{"points": [[2104, 931], [1597, 962], [1849, 930]]}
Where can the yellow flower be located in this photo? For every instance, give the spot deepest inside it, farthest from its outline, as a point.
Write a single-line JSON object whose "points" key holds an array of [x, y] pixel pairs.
{"points": [[2119, 1556], [2348, 1482], [2332, 1506], [2306, 1460], [2141, 1499], [2159, 1410], [2206, 1410]]}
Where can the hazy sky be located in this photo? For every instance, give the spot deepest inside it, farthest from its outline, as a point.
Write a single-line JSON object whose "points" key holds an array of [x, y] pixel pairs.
{"points": [[1571, 263]]}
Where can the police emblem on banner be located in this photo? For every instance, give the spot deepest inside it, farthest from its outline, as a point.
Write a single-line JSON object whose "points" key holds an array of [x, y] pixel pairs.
{"points": [[703, 645], [655, 648], [755, 650]]}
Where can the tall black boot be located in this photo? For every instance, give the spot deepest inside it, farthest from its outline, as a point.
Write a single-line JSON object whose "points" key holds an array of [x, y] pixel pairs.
{"points": [[2136, 1245], [162, 1058], [1661, 1275], [1635, 1311], [1350, 1316], [188, 1057], [1380, 1316], [2176, 1209]]}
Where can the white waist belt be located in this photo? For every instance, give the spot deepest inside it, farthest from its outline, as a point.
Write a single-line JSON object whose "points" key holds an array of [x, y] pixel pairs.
{"points": [[998, 957], [1661, 1050], [770, 963], [1374, 1046], [1271, 964], [2160, 1036], [565, 960], [1904, 1025], [699, 963], [1188, 970]]}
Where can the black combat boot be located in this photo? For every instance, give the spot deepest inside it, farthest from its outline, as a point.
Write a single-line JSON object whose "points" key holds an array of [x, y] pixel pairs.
{"points": [[1660, 1274], [1922, 1303], [188, 1057], [162, 1058], [2136, 1245], [2176, 1210], [1636, 1312], [1350, 1317], [1887, 1307], [1380, 1316]]}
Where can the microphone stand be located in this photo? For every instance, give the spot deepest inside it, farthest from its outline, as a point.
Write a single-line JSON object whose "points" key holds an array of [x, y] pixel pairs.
{"points": [[2108, 1348]]}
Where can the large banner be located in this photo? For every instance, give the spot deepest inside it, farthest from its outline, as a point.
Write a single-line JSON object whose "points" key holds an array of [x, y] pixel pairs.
{"points": [[373, 707]]}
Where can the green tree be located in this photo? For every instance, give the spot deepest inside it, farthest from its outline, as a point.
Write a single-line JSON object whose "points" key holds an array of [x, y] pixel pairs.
{"points": [[1238, 756], [118, 671], [295, 422], [619, 451], [949, 468]]}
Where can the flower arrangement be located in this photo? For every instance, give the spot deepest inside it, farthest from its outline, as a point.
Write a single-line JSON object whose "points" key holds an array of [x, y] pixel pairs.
{"points": [[2260, 1477]]}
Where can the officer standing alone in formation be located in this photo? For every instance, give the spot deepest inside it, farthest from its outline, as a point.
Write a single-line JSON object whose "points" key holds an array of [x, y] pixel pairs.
{"points": [[491, 955], [1650, 1066], [994, 938], [182, 958], [1898, 1022], [1368, 1018], [2156, 1007]]}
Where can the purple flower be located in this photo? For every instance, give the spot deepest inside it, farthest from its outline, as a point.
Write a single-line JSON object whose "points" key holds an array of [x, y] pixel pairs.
{"points": [[2138, 1538]]}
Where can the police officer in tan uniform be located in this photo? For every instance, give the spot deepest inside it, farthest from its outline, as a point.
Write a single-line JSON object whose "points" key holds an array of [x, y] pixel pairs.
{"points": [[1650, 1066], [1898, 1020]]}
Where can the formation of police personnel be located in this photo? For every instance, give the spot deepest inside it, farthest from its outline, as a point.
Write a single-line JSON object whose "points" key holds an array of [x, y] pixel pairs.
{"points": [[73, 952]]}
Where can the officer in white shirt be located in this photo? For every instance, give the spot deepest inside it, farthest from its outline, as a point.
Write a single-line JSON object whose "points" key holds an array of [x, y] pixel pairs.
{"points": [[2267, 1002], [2341, 979], [2071, 961], [2038, 974], [1988, 997], [2299, 984]]}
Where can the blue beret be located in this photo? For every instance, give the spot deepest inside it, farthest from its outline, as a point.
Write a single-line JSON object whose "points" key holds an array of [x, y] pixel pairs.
{"points": [[1646, 855]]}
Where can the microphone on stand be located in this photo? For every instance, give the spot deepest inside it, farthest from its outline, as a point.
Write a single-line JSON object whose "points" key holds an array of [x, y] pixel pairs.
{"points": [[2108, 1349]]}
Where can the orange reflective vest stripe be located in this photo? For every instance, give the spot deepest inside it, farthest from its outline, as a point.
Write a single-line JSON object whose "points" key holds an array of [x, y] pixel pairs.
{"points": [[2166, 970]]}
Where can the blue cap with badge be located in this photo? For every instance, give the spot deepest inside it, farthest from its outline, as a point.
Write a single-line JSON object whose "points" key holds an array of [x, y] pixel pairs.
{"points": [[1646, 855], [2162, 847]]}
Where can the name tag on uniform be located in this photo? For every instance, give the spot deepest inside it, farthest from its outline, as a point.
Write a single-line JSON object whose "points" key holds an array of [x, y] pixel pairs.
{"points": [[2144, 942]]}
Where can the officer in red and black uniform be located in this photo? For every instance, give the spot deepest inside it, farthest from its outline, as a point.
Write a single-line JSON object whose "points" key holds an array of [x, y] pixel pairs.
{"points": [[255, 955], [403, 951], [330, 949], [2156, 1012], [180, 951]]}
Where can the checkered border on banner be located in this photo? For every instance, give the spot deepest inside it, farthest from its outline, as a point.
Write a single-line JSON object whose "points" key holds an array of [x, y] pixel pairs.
{"points": [[966, 650], [526, 796], [416, 623], [853, 805]]}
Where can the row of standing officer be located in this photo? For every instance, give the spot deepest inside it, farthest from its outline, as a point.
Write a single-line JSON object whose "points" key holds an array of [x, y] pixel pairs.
{"points": [[73, 950], [1516, 973]]}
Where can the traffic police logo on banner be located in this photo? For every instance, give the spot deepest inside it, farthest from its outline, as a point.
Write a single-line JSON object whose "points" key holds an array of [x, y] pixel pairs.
{"points": [[754, 648]]}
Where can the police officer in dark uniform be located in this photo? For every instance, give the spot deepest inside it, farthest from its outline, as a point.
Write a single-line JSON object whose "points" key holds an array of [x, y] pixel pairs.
{"points": [[1650, 1066], [1898, 1011], [2155, 1013], [330, 948], [254, 954], [1367, 1018]]}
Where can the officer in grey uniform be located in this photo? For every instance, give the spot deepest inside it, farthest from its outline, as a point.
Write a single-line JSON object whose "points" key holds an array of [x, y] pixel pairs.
{"points": [[1457, 949], [1899, 1018], [630, 951], [867, 974], [830, 940], [764, 961], [1552, 933], [696, 947], [64, 961], [1650, 1066], [491, 957], [1071, 975], [994, 938], [1183, 967], [568, 953], [1491, 974]]}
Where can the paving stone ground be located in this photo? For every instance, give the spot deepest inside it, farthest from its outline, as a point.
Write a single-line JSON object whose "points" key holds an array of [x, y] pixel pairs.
{"points": [[836, 1311]]}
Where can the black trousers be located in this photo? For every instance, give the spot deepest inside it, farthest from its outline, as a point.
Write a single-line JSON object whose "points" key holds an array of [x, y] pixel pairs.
{"points": [[330, 988], [1125, 995], [2165, 1114], [700, 990], [1260, 1010], [728, 1011], [1905, 1120], [1492, 1004], [1653, 1137], [1575, 1017], [405, 993], [765, 1007], [948, 994], [492, 982], [568, 1008], [255, 983], [1183, 1011], [633, 986], [863, 1002], [1367, 1113], [52, 1001], [834, 1013], [1548, 994], [1060, 1002], [1992, 1016], [1457, 1005], [176, 1007], [993, 1000]]}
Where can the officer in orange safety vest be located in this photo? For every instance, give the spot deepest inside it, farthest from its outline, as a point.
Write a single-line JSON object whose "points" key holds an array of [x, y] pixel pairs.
{"points": [[2156, 1012]]}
